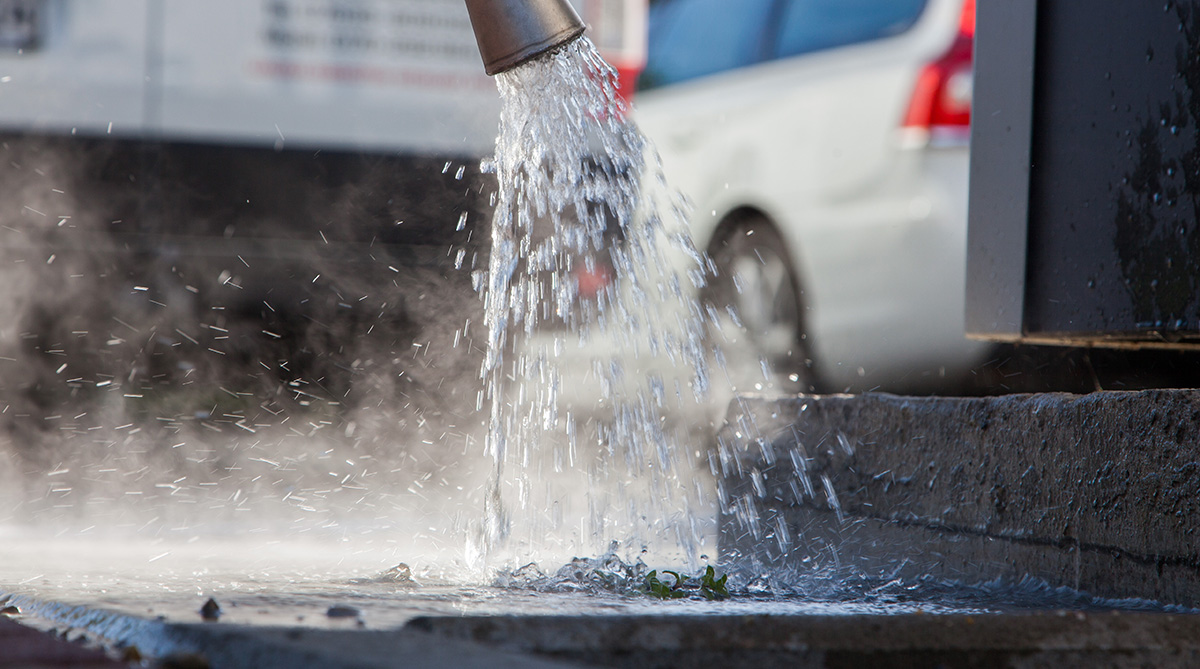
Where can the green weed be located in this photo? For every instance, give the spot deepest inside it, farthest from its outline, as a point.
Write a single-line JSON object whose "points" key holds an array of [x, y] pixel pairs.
{"points": [[707, 584]]}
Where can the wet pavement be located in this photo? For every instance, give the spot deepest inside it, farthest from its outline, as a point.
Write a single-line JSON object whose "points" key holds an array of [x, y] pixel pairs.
{"points": [[292, 602], [684, 639]]}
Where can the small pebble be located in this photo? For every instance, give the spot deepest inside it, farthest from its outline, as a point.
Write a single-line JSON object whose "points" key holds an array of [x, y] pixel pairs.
{"points": [[211, 611], [342, 611], [401, 573]]}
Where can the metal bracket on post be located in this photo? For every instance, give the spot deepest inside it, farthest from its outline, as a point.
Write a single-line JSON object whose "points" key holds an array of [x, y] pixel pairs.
{"points": [[1001, 119]]}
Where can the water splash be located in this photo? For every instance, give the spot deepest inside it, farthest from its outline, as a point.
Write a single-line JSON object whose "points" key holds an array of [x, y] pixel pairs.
{"points": [[595, 343]]}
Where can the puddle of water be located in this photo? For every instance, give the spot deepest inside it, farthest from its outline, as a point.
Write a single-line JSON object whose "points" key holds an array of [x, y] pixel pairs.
{"points": [[122, 585], [296, 583]]}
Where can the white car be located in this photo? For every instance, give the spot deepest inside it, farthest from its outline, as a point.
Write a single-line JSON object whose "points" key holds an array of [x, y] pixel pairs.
{"points": [[824, 146]]}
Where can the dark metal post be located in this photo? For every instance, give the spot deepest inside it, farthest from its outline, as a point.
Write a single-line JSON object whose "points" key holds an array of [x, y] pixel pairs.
{"points": [[1084, 225]]}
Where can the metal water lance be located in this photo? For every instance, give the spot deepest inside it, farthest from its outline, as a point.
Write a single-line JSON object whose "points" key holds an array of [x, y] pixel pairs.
{"points": [[510, 32]]}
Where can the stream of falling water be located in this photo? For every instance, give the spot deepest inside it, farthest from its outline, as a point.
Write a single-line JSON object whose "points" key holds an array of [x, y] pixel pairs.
{"points": [[596, 369]]}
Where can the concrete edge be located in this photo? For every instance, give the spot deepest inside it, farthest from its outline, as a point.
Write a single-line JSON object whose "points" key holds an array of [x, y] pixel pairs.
{"points": [[1098, 492], [1057, 638]]}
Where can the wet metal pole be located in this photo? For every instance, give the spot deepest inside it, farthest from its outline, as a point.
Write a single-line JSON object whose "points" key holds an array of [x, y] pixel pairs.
{"points": [[510, 32]]}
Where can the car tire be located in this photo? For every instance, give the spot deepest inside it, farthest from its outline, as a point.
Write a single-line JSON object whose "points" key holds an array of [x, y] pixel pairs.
{"points": [[758, 309]]}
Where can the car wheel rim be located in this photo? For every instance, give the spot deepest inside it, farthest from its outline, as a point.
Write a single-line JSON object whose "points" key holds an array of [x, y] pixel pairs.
{"points": [[755, 293], [765, 302]]}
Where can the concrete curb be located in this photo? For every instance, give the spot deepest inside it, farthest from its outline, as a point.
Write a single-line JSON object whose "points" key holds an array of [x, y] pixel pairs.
{"points": [[1097, 492], [1051, 639]]}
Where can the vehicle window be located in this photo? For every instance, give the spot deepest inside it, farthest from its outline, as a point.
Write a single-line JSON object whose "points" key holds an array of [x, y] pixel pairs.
{"points": [[811, 25], [696, 38]]}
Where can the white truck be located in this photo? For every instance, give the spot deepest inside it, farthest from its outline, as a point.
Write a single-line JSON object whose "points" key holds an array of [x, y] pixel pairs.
{"points": [[372, 75]]}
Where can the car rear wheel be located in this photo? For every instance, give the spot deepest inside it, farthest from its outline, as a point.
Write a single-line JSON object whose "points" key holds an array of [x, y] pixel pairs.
{"points": [[757, 299]]}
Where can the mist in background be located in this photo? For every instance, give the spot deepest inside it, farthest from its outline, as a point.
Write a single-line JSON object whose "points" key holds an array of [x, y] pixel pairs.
{"points": [[201, 339]]}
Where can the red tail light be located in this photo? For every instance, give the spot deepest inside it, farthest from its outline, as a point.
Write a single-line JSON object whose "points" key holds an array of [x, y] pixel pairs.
{"points": [[626, 82], [941, 101], [593, 280]]}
